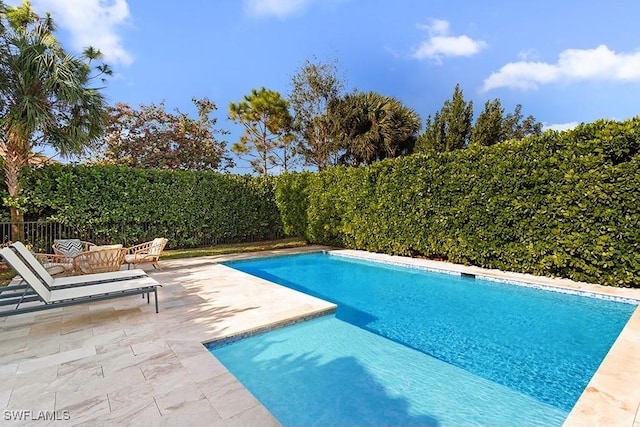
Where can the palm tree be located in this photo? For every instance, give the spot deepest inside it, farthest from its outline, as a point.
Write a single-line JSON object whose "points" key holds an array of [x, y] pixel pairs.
{"points": [[372, 127], [45, 97]]}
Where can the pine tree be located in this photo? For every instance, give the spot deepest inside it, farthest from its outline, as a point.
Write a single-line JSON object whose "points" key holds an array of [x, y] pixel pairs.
{"points": [[450, 128], [267, 130], [488, 129]]}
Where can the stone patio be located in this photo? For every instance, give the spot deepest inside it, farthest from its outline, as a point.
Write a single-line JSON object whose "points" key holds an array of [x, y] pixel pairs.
{"points": [[119, 363]]}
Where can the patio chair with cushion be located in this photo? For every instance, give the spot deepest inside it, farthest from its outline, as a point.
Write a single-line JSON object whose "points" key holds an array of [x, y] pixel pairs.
{"points": [[64, 250], [55, 264], [70, 247], [38, 294], [148, 252]]}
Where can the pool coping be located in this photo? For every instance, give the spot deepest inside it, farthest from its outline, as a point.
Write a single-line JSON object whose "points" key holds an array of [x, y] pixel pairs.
{"points": [[229, 339]]}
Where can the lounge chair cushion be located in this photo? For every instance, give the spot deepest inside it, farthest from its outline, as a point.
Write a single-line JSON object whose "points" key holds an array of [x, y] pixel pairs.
{"points": [[156, 246], [69, 247]]}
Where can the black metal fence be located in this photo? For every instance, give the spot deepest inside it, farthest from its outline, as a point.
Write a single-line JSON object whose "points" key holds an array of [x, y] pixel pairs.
{"points": [[41, 234]]}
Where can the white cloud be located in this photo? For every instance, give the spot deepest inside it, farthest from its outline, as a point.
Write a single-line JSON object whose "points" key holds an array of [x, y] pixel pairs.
{"points": [[561, 126], [441, 44], [600, 63], [528, 55], [437, 26], [92, 23], [279, 8]]}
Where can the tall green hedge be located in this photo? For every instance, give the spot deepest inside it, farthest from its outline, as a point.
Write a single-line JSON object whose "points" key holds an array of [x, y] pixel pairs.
{"points": [[188, 206], [292, 198], [561, 204]]}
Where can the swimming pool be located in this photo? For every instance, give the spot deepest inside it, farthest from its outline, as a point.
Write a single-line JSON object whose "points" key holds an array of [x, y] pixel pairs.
{"points": [[507, 353]]}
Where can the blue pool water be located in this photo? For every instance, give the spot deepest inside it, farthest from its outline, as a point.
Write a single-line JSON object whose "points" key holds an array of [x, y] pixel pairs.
{"points": [[414, 347]]}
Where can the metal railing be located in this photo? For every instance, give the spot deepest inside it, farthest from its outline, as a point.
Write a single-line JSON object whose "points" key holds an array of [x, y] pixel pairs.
{"points": [[41, 234]]}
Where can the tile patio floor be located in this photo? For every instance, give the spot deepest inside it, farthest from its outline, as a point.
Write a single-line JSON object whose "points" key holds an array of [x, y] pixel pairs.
{"points": [[119, 363]]}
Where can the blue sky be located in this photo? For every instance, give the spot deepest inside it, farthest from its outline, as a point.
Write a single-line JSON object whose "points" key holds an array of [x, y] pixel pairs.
{"points": [[565, 61]]}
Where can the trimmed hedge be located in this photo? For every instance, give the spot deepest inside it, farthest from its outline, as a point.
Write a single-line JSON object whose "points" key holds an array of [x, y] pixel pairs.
{"points": [[188, 207], [292, 198], [560, 204]]}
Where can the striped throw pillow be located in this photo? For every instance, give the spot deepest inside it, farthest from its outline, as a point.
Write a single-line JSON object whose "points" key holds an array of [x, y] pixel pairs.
{"points": [[69, 247]]}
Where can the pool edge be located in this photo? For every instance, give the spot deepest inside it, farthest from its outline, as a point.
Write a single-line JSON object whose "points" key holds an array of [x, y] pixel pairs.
{"points": [[624, 295], [612, 396], [222, 341]]}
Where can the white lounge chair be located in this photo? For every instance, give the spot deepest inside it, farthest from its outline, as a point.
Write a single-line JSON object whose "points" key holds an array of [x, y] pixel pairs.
{"points": [[51, 296]]}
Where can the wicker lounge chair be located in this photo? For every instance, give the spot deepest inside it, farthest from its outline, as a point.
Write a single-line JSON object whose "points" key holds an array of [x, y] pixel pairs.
{"points": [[148, 252], [99, 259], [37, 295]]}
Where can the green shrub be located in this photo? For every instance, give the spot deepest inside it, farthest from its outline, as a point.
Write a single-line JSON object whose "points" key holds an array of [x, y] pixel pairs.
{"points": [[292, 198], [190, 207], [560, 204]]}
